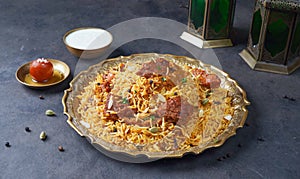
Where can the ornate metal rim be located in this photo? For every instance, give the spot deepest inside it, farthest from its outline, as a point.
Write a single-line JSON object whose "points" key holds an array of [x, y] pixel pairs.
{"points": [[150, 156], [286, 5]]}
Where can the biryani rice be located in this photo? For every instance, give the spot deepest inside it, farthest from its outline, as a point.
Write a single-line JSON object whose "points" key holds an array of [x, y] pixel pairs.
{"points": [[144, 96]]}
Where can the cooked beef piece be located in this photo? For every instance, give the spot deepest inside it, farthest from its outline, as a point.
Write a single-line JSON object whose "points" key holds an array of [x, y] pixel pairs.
{"points": [[207, 80], [210, 80], [187, 110], [160, 67], [124, 111], [118, 106], [171, 111], [213, 81], [177, 108]]}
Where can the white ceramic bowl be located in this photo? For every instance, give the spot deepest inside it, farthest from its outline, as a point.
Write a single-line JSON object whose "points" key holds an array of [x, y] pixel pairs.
{"points": [[87, 42]]}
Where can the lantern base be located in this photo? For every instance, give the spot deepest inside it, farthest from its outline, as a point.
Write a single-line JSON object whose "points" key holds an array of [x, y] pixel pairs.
{"points": [[197, 41], [269, 67]]}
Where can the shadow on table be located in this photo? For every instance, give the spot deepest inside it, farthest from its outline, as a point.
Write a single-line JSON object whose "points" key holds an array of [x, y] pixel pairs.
{"points": [[239, 35]]}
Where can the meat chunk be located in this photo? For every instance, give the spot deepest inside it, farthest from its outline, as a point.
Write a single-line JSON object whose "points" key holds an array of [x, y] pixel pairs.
{"points": [[207, 80], [213, 80], [160, 66], [114, 103], [170, 111], [210, 80]]}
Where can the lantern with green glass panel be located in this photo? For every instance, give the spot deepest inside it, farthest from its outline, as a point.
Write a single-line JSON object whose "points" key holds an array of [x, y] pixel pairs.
{"points": [[274, 37], [211, 22]]}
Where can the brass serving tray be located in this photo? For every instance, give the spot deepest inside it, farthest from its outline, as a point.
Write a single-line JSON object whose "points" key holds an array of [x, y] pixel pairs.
{"points": [[71, 103], [61, 72]]}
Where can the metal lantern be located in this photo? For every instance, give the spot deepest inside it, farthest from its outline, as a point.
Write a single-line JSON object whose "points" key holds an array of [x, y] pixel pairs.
{"points": [[210, 23], [274, 37]]}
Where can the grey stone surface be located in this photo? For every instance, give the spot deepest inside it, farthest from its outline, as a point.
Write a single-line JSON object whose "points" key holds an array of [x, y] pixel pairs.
{"points": [[267, 148]]}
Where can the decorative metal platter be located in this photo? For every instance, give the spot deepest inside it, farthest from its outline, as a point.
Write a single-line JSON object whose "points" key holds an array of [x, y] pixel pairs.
{"points": [[145, 107]]}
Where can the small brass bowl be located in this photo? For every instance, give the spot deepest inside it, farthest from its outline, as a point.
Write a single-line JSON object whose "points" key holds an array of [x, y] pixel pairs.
{"points": [[87, 42], [61, 72]]}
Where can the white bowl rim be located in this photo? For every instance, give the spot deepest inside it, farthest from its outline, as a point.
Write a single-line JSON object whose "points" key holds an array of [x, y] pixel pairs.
{"points": [[85, 28]]}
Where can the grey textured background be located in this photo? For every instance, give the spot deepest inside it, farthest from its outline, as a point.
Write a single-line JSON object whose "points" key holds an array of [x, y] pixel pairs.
{"points": [[34, 28]]}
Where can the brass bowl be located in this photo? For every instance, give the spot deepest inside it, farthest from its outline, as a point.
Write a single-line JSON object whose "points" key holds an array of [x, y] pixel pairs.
{"points": [[61, 72], [87, 42], [71, 103]]}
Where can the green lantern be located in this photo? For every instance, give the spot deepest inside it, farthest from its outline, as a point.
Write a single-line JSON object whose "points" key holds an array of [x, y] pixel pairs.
{"points": [[210, 23], [274, 37]]}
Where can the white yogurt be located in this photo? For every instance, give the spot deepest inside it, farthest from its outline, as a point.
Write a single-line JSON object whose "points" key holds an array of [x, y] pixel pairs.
{"points": [[89, 39]]}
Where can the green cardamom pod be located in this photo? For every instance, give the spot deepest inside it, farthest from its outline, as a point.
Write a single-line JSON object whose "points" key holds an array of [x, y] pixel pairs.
{"points": [[49, 112], [43, 135], [154, 129]]}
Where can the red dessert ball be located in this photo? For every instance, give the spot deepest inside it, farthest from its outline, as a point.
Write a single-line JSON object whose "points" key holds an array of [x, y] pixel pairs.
{"points": [[41, 69]]}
